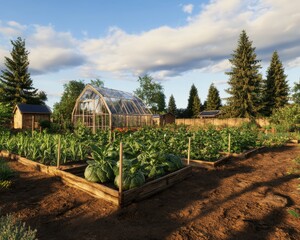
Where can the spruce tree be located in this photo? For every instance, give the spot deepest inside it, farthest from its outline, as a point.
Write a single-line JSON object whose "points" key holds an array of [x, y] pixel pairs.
{"points": [[213, 101], [172, 105], [196, 106], [244, 80], [276, 90], [16, 82], [193, 93]]}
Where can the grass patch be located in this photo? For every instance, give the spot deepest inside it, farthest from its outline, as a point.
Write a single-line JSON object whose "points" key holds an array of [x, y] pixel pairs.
{"points": [[5, 174], [10, 229]]}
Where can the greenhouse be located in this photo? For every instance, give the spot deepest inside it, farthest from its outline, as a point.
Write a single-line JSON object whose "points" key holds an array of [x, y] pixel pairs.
{"points": [[104, 108]]}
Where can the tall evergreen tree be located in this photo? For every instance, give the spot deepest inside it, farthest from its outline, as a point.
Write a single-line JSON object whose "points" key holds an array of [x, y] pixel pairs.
{"points": [[193, 93], [16, 84], [213, 101], [172, 105], [161, 102], [196, 106], [276, 90], [245, 80]]}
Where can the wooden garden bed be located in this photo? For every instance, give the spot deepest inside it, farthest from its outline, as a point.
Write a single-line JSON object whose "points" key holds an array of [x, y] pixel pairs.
{"points": [[213, 165], [70, 177]]}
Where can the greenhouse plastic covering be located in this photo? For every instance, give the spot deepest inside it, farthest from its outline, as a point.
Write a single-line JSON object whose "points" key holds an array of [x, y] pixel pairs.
{"points": [[118, 102]]}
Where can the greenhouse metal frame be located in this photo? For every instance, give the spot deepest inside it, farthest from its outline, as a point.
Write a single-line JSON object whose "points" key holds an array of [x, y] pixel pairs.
{"points": [[104, 108]]}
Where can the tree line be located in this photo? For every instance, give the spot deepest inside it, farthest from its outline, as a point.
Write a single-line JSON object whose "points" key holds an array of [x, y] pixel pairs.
{"points": [[249, 94]]}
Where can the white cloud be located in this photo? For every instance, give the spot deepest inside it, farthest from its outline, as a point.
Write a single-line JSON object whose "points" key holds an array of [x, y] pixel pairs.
{"points": [[188, 8], [52, 51], [11, 29], [205, 42]]}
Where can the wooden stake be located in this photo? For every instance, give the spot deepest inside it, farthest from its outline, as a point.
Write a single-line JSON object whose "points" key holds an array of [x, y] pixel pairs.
{"points": [[189, 152], [121, 174], [32, 125], [114, 136], [110, 137], [58, 152], [229, 143]]}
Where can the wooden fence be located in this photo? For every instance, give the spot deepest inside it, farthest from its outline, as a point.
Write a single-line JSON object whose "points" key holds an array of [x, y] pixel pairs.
{"points": [[226, 122]]}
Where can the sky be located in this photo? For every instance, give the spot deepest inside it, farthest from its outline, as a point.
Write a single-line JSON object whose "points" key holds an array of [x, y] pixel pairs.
{"points": [[177, 42]]}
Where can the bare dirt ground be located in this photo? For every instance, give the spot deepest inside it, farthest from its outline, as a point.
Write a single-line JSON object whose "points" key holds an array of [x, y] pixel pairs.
{"points": [[243, 199]]}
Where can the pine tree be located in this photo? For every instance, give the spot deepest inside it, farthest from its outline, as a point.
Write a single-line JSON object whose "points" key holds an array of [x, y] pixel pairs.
{"points": [[161, 102], [172, 105], [244, 80], [193, 93], [276, 90], [196, 106], [16, 82], [213, 101]]}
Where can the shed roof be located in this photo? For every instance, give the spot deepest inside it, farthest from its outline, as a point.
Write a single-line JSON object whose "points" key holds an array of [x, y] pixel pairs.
{"points": [[211, 113], [31, 108]]}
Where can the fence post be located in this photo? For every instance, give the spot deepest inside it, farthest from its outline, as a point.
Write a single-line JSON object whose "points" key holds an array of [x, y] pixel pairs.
{"points": [[121, 175], [58, 152]]}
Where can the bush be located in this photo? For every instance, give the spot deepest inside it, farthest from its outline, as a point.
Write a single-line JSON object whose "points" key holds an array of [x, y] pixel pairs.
{"points": [[286, 118], [5, 171], [45, 124], [10, 229]]}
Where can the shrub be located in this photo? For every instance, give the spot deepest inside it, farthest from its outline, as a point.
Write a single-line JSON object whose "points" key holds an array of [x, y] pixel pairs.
{"points": [[5, 171], [286, 118], [10, 229]]}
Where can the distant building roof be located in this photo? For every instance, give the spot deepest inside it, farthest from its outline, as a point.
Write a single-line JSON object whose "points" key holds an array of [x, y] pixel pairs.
{"points": [[210, 114], [30, 108]]}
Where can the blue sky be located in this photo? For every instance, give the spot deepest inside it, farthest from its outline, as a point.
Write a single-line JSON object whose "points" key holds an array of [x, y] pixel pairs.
{"points": [[177, 42]]}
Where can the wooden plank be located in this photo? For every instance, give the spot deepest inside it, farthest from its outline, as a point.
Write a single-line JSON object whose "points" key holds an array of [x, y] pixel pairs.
{"points": [[104, 192], [155, 186]]}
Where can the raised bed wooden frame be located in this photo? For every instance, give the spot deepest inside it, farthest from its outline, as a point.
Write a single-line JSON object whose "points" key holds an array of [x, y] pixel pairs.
{"points": [[213, 165], [99, 190]]}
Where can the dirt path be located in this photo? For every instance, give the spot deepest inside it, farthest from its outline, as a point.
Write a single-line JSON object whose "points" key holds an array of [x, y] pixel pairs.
{"points": [[244, 199]]}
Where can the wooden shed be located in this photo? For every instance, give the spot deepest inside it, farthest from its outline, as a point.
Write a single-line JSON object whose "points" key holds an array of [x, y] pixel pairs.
{"points": [[163, 119], [28, 115]]}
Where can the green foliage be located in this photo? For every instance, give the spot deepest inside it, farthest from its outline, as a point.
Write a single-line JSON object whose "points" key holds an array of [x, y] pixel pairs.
{"points": [[244, 80], [62, 111], [213, 101], [296, 93], [97, 83], [5, 184], [132, 178], [193, 98], [196, 106], [286, 118], [10, 229], [293, 213], [16, 84], [5, 114], [5, 171], [151, 93], [275, 90], [172, 105]]}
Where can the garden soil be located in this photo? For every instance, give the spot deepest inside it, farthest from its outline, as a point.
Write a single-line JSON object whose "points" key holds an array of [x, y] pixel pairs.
{"points": [[242, 199]]}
